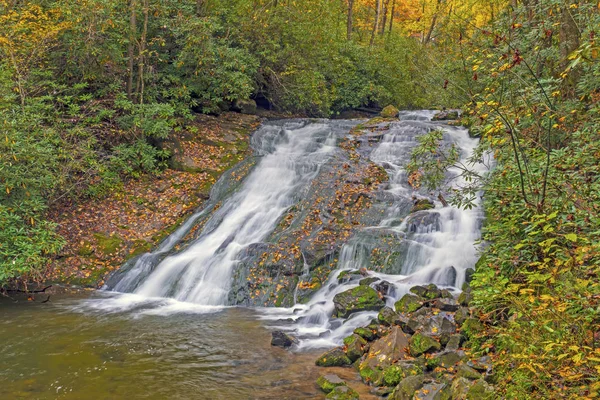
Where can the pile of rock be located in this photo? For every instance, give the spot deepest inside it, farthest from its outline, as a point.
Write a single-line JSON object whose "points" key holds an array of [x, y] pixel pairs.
{"points": [[414, 350]]}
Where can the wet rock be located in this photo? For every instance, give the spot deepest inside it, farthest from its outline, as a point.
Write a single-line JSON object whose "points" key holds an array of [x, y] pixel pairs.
{"points": [[347, 276], [388, 317], [354, 346], [383, 353], [384, 287], [245, 106], [408, 386], [446, 304], [445, 116], [282, 339], [461, 315], [395, 373], [446, 294], [422, 205], [454, 342], [408, 303], [360, 298], [365, 333], [421, 344], [429, 292], [368, 281], [469, 275], [464, 371], [434, 391], [481, 390], [342, 393], [333, 358], [329, 382], [389, 112]]}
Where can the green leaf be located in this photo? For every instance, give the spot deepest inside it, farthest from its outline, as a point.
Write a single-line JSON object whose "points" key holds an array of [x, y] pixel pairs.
{"points": [[571, 237]]}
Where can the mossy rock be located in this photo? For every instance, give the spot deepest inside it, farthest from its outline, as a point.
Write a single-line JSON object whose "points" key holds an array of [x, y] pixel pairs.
{"points": [[368, 281], [333, 358], [465, 298], [370, 374], [421, 344], [429, 292], [360, 298], [343, 393], [388, 317], [422, 205], [461, 315], [407, 387], [329, 382], [354, 346], [447, 359], [393, 374], [365, 333], [464, 371], [389, 112], [409, 303]]}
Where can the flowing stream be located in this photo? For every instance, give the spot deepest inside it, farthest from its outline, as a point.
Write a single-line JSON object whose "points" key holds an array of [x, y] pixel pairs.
{"points": [[165, 325]]}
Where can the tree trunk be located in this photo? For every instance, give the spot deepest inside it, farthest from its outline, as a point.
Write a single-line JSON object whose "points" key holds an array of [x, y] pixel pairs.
{"points": [[386, 8], [130, 47], [392, 17], [376, 24], [427, 38], [142, 55], [349, 22]]}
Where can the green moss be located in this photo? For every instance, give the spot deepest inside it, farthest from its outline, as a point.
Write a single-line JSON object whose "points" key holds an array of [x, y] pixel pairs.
{"points": [[86, 249], [108, 244], [329, 382], [408, 304], [423, 204], [139, 247], [389, 112], [420, 344]]}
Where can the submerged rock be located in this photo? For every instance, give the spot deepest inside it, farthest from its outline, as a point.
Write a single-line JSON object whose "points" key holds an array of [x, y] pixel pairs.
{"points": [[282, 339], [360, 298], [333, 358], [329, 382]]}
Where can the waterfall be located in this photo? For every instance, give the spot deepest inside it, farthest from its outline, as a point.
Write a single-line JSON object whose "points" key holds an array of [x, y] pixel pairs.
{"points": [[291, 154], [438, 245]]}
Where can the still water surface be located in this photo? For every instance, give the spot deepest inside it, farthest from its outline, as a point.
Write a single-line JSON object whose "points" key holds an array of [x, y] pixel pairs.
{"points": [[61, 350]]}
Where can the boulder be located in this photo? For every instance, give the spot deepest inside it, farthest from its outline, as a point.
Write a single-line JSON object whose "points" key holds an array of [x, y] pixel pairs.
{"points": [[422, 205], [368, 281], [438, 325], [333, 358], [421, 344], [342, 393], [329, 382], [407, 387], [389, 112], [408, 303], [354, 346], [365, 333], [446, 116], [447, 359], [446, 304], [459, 388], [388, 317], [465, 298], [464, 371], [384, 287], [245, 106], [454, 342], [282, 339], [393, 374], [383, 353], [429, 292], [471, 327], [360, 298], [461, 315]]}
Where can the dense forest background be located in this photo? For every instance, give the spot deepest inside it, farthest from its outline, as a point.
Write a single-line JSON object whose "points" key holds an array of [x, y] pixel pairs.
{"points": [[90, 89]]}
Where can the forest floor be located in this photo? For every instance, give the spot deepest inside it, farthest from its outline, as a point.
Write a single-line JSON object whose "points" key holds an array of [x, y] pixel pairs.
{"points": [[101, 234]]}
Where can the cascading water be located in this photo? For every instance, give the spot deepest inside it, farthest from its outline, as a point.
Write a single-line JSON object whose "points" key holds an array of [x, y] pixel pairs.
{"points": [[438, 245], [431, 246], [292, 153]]}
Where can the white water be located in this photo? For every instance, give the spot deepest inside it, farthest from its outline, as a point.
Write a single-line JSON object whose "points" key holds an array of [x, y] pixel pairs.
{"points": [[441, 242], [201, 274]]}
